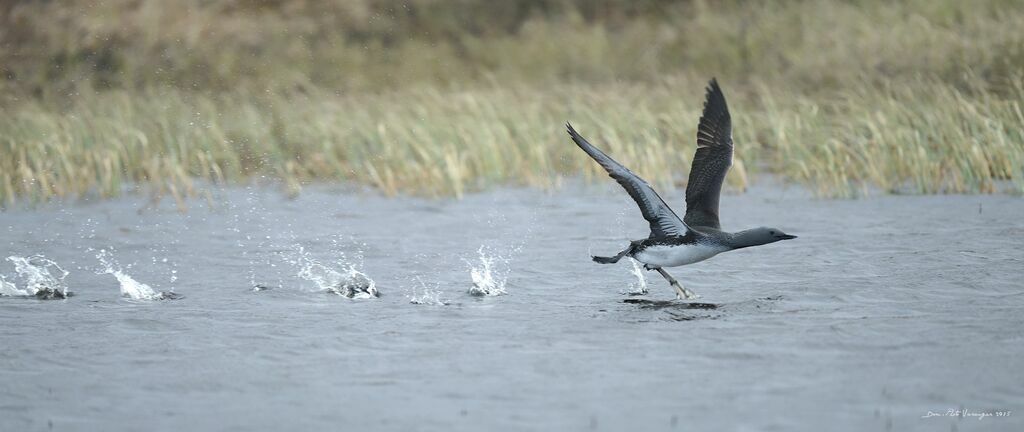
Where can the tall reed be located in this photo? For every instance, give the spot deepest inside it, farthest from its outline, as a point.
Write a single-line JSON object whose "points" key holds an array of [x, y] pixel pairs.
{"points": [[444, 98]]}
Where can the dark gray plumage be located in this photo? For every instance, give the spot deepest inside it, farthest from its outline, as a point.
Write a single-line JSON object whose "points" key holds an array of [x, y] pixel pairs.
{"points": [[711, 161], [698, 236], [664, 222]]}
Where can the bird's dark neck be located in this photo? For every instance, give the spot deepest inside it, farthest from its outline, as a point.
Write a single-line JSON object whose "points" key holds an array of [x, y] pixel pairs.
{"points": [[741, 239]]}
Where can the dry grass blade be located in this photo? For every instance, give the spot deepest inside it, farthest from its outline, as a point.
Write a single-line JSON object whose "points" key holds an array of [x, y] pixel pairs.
{"points": [[912, 97]]}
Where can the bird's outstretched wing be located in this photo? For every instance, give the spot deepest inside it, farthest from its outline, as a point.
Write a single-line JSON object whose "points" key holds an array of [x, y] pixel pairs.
{"points": [[711, 162], [664, 222]]}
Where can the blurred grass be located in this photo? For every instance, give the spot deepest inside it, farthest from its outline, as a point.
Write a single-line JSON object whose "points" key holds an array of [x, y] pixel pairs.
{"points": [[444, 97]]}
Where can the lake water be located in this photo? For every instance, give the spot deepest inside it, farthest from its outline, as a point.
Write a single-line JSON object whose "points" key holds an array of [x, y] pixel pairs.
{"points": [[885, 309]]}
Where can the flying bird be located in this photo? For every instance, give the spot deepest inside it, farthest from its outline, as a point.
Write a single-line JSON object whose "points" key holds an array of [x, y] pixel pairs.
{"points": [[698, 235]]}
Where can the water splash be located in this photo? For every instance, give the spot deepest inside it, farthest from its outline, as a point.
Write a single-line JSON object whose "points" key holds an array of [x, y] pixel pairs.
{"points": [[9, 289], [348, 282], [38, 280], [130, 287], [638, 288], [428, 295], [490, 275]]}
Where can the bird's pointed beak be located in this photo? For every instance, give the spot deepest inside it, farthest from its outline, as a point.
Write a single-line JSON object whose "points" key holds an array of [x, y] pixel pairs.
{"points": [[787, 237]]}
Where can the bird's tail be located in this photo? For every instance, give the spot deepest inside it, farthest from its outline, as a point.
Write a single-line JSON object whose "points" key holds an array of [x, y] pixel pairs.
{"points": [[616, 258], [607, 260]]}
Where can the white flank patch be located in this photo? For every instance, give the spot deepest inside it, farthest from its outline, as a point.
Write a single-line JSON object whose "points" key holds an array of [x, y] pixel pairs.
{"points": [[674, 256]]}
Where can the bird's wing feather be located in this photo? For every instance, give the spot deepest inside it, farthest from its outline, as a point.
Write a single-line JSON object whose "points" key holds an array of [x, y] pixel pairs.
{"points": [[711, 162], [664, 222]]}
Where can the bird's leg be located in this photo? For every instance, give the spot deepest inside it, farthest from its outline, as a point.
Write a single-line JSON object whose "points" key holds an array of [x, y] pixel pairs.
{"points": [[681, 292]]}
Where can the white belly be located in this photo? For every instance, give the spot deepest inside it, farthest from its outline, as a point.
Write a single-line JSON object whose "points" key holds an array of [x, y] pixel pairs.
{"points": [[673, 256]]}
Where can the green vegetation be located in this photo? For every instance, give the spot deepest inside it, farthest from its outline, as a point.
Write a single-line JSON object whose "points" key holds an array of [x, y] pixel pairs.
{"points": [[441, 98]]}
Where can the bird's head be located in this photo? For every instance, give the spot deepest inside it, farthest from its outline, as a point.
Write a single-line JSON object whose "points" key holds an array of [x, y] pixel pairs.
{"points": [[760, 236]]}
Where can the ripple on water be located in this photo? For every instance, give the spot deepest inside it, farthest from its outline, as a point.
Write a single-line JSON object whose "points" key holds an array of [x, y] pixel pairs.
{"points": [[689, 311], [427, 295], [858, 314]]}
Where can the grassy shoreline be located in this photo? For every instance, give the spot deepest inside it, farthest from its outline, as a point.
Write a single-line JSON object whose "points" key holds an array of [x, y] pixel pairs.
{"points": [[917, 97], [435, 143]]}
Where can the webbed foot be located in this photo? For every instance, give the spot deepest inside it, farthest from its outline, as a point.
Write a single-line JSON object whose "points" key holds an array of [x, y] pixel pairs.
{"points": [[684, 294]]}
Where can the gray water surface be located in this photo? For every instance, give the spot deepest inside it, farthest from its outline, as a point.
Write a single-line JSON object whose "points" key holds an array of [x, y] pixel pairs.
{"points": [[884, 309]]}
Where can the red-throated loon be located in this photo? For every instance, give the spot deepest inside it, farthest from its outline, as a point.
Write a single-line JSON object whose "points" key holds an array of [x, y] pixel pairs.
{"points": [[698, 236]]}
